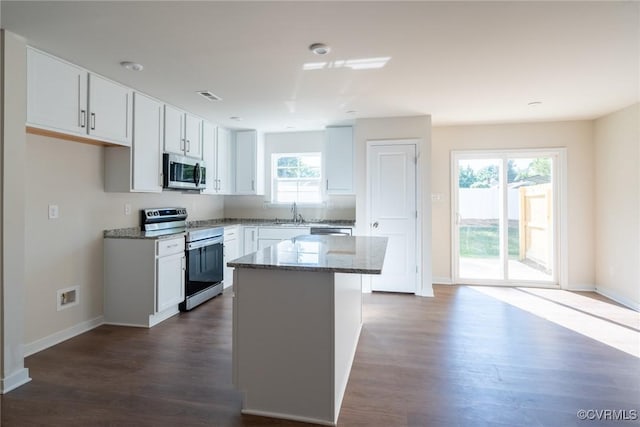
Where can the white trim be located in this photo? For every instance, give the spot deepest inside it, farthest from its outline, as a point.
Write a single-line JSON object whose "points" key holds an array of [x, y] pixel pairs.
{"points": [[287, 417], [441, 280], [15, 380], [417, 143], [342, 388], [60, 336], [581, 288], [611, 294]]}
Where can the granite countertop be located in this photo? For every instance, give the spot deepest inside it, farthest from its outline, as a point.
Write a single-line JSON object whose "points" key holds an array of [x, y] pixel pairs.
{"points": [[338, 254], [136, 233]]}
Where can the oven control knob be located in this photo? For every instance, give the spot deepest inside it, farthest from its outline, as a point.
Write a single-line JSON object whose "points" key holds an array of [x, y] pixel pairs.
{"points": [[149, 213]]}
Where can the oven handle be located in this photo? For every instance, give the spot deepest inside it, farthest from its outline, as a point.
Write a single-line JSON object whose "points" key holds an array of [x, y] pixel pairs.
{"points": [[206, 242]]}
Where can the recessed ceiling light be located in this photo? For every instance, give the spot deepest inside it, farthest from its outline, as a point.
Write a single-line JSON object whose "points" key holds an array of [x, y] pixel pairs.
{"points": [[319, 48], [291, 127], [133, 66], [351, 112], [534, 103], [236, 118], [209, 95]]}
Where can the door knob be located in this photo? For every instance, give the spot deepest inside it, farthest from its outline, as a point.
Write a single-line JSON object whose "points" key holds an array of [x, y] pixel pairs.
{"points": [[375, 224]]}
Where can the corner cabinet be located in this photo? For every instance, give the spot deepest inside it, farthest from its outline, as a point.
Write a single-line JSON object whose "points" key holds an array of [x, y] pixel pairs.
{"points": [[138, 169], [249, 162], [339, 160], [216, 153], [144, 280], [182, 133], [64, 98]]}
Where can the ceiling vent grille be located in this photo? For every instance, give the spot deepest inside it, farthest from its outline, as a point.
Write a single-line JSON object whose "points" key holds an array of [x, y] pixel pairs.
{"points": [[209, 95]]}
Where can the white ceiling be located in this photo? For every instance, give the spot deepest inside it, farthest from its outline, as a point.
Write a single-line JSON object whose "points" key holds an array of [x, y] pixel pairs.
{"points": [[461, 62]]}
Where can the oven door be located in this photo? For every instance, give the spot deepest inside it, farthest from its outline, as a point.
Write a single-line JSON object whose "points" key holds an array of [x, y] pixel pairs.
{"points": [[205, 264]]}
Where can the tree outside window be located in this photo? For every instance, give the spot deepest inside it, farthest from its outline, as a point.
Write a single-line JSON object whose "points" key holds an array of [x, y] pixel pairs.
{"points": [[296, 178]]}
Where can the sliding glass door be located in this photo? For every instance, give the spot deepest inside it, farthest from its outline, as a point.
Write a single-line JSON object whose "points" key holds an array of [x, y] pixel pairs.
{"points": [[505, 216]]}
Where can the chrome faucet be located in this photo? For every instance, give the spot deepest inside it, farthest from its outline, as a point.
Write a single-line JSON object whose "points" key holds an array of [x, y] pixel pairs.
{"points": [[297, 217]]}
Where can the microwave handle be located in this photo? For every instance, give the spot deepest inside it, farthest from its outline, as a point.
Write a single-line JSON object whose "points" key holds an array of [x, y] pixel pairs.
{"points": [[196, 174]]}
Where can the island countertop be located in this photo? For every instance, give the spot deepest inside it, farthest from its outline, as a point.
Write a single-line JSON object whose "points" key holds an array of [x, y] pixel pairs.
{"points": [[322, 253]]}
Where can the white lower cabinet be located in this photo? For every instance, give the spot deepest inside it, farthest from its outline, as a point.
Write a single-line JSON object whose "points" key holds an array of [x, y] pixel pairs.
{"points": [[170, 281], [268, 236], [231, 252], [250, 240], [144, 280]]}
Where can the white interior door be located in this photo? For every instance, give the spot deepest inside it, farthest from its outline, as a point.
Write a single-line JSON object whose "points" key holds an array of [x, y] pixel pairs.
{"points": [[392, 213]]}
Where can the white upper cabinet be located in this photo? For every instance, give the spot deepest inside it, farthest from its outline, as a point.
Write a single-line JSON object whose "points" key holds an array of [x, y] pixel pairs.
{"points": [[109, 110], [147, 144], [56, 94], [216, 152], [224, 165], [338, 160], [249, 162], [138, 169], [209, 157], [182, 133], [62, 97]]}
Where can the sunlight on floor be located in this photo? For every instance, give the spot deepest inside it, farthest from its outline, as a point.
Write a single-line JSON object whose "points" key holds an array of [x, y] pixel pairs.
{"points": [[610, 324]]}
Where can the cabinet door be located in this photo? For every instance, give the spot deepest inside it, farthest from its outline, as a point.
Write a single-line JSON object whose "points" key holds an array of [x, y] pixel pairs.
{"points": [[147, 144], [173, 130], [263, 243], [169, 281], [245, 162], [109, 110], [250, 239], [56, 94], [231, 252], [193, 136], [224, 169], [339, 160], [209, 157]]}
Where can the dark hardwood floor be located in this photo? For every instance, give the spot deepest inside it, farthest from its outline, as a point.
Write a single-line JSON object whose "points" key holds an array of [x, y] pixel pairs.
{"points": [[459, 359]]}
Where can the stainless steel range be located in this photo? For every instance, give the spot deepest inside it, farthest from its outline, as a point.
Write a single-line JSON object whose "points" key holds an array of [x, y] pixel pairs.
{"points": [[204, 252]]}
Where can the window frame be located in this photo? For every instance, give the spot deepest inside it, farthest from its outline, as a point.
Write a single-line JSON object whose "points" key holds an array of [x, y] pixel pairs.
{"points": [[274, 179]]}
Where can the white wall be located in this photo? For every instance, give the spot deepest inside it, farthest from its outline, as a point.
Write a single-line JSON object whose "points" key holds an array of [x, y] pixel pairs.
{"points": [[337, 207], [68, 251], [576, 136], [617, 153], [418, 127]]}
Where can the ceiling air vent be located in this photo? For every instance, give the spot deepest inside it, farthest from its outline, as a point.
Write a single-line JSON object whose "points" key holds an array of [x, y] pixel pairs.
{"points": [[208, 95]]}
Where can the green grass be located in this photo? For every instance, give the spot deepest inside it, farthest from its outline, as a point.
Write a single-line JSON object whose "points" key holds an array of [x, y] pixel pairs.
{"points": [[484, 242]]}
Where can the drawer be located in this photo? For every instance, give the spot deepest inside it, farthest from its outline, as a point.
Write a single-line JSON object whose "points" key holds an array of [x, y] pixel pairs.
{"points": [[281, 233], [170, 246], [231, 233]]}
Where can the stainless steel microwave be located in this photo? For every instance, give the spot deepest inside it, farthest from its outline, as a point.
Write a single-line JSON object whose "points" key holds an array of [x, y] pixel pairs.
{"points": [[183, 173]]}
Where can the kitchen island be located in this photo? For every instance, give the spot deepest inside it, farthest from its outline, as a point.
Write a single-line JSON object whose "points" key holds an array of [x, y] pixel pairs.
{"points": [[297, 315]]}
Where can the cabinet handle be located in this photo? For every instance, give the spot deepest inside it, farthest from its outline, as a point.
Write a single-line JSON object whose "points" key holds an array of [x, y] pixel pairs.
{"points": [[188, 148], [253, 185], [219, 184], [182, 144], [93, 121], [327, 185], [83, 118]]}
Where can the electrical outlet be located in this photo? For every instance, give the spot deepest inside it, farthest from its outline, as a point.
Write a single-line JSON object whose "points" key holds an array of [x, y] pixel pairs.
{"points": [[127, 208], [54, 212]]}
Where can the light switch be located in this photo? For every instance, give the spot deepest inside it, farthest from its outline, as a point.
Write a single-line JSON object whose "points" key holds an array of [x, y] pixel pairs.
{"points": [[54, 212], [127, 208], [436, 197]]}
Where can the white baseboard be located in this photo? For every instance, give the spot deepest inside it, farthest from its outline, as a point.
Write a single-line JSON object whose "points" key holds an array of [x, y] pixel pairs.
{"points": [[287, 417], [442, 281], [58, 337], [581, 288], [633, 305], [15, 380]]}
